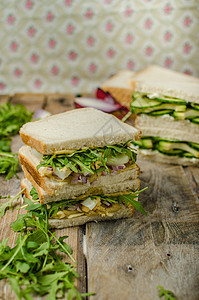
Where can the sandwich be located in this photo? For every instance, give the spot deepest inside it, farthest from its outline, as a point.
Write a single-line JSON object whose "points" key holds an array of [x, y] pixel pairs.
{"points": [[168, 115], [122, 85], [81, 164]]}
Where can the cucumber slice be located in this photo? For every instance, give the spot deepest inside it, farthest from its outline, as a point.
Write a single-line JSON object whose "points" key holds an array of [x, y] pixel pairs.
{"points": [[160, 112], [171, 100], [172, 106], [188, 114], [195, 120], [173, 147], [147, 143], [144, 102], [194, 145], [195, 106]]}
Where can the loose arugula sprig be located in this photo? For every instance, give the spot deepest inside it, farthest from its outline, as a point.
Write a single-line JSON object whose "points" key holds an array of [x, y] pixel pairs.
{"points": [[33, 266], [168, 295], [9, 203], [84, 160], [12, 117], [8, 164]]}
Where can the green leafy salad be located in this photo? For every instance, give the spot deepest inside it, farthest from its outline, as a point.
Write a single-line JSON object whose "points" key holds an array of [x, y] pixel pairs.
{"points": [[12, 117], [33, 266], [169, 147], [92, 161], [158, 105]]}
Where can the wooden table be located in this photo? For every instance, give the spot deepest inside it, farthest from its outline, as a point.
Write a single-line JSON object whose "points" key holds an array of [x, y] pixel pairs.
{"points": [[127, 259]]}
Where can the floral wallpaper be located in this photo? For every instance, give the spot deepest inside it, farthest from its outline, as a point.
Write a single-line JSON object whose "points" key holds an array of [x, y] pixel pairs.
{"points": [[71, 46]]}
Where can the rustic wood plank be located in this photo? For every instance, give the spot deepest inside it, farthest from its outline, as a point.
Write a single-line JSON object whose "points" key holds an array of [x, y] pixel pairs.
{"points": [[169, 196], [31, 101], [57, 103], [4, 99], [192, 174], [127, 259]]}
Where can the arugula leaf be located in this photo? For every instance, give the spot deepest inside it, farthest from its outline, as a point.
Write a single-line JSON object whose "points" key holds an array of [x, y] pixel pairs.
{"points": [[168, 295], [12, 117], [130, 198], [84, 160], [8, 164], [9, 203]]}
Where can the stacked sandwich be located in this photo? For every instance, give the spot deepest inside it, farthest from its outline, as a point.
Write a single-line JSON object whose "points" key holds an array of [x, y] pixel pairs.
{"points": [[82, 164], [167, 108]]}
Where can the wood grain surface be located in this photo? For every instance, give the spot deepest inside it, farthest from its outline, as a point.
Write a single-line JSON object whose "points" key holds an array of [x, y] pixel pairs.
{"points": [[127, 259]]}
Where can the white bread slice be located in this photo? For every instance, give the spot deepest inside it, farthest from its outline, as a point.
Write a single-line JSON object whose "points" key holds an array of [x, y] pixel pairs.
{"points": [[155, 73], [124, 212], [188, 91], [30, 161], [168, 128], [121, 80], [154, 155], [63, 191], [120, 86], [76, 129]]}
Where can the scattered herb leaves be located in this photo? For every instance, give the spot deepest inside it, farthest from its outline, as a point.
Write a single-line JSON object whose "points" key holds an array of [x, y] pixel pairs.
{"points": [[8, 204], [33, 266], [168, 295], [12, 117], [8, 164]]}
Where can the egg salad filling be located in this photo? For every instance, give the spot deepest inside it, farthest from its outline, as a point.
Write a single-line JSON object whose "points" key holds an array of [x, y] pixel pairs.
{"points": [[104, 205]]}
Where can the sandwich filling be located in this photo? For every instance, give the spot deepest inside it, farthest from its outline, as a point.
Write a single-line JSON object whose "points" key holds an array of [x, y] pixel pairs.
{"points": [[169, 147], [103, 205], [158, 105], [85, 165]]}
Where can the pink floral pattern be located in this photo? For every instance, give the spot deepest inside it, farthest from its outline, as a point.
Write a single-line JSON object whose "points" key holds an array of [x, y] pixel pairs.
{"points": [[50, 16], [31, 31], [167, 36], [2, 86], [89, 13], [128, 12], [37, 83], [55, 70], [168, 62], [29, 4], [52, 43], [17, 72], [129, 38], [14, 46], [187, 22], [72, 55], [186, 48], [34, 58], [168, 9], [11, 19], [48, 45]]}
